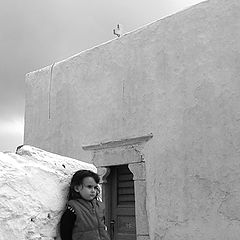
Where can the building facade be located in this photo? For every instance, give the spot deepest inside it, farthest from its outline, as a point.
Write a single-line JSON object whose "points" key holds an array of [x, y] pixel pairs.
{"points": [[157, 111]]}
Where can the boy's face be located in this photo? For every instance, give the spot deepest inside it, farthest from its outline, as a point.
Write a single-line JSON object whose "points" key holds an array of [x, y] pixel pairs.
{"points": [[88, 189]]}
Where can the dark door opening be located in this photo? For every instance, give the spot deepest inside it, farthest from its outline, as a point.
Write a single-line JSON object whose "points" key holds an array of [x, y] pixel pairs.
{"points": [[122, 206]]}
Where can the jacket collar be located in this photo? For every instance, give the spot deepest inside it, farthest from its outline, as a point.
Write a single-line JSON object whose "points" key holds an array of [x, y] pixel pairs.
{"points": [[88, 204]]}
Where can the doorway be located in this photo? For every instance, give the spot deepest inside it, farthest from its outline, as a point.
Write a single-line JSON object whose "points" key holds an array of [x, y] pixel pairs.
{"points": [[122, 171], [122, 204]]}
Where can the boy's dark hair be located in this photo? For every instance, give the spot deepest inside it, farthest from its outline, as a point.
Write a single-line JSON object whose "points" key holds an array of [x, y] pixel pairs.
{"points": [[77, 179]]}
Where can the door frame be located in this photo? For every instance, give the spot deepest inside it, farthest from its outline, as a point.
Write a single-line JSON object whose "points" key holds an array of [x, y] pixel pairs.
{"points": [[127, 151]]}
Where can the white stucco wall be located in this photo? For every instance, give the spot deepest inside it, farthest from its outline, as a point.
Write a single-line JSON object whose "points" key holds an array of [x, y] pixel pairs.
{"points": [[177, 78], [33, 192]]}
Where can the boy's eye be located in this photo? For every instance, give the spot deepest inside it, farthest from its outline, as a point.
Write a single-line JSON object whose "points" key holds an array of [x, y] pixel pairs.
{"points": [[90, 186]]}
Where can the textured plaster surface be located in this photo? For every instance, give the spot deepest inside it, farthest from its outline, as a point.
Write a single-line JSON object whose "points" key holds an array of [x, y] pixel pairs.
{"points": [[33, 189], [177, 78]]}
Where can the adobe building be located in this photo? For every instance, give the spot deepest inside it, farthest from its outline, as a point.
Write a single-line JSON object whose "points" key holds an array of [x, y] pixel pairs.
{"points": [[157, 111]]}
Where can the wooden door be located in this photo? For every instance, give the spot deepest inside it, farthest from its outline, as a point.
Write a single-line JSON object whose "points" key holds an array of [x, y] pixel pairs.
{"points": [[122, 217]]}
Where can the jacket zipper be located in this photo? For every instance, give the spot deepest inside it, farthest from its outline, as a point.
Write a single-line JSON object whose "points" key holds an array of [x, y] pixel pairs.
{"points": [[94, 212]]}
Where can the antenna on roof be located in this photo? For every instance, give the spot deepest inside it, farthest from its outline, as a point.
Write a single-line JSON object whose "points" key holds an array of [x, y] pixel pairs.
{"points": [[118, 31]]}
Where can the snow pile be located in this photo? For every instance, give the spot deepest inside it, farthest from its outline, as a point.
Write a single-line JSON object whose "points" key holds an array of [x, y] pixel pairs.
{"points": [[33, 190]]}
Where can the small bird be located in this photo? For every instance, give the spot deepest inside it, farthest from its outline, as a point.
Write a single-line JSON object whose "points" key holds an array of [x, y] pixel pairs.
{"points": [[118, 31]]}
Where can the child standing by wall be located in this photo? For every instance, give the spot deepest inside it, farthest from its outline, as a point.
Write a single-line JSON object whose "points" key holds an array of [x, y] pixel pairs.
{"points": [[83, 218]]}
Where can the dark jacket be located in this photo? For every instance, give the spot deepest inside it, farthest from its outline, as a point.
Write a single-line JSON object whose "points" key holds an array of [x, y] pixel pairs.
{"points": [[89, 224]]}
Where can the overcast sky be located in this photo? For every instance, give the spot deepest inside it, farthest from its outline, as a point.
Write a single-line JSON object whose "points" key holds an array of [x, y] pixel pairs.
{"points": [[36, 33]]}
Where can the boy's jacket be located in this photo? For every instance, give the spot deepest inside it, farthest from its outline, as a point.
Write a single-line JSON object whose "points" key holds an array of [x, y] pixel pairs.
{"points": [[89, 224]]}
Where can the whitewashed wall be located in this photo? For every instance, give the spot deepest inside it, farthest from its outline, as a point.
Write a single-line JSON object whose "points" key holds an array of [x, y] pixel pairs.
{"points": [[33, 189], [177, 78]]}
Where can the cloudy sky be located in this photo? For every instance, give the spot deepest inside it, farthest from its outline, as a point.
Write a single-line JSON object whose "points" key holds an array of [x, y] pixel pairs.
{"points": [[36, 33]]}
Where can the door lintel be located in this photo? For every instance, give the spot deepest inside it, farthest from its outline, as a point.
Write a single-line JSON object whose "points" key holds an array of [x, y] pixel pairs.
{"points": [[118, 143]]}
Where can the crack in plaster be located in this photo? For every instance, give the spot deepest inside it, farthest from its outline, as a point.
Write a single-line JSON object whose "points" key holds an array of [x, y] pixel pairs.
{"points": [[173, 223], [225, 212], [139, 152]]}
